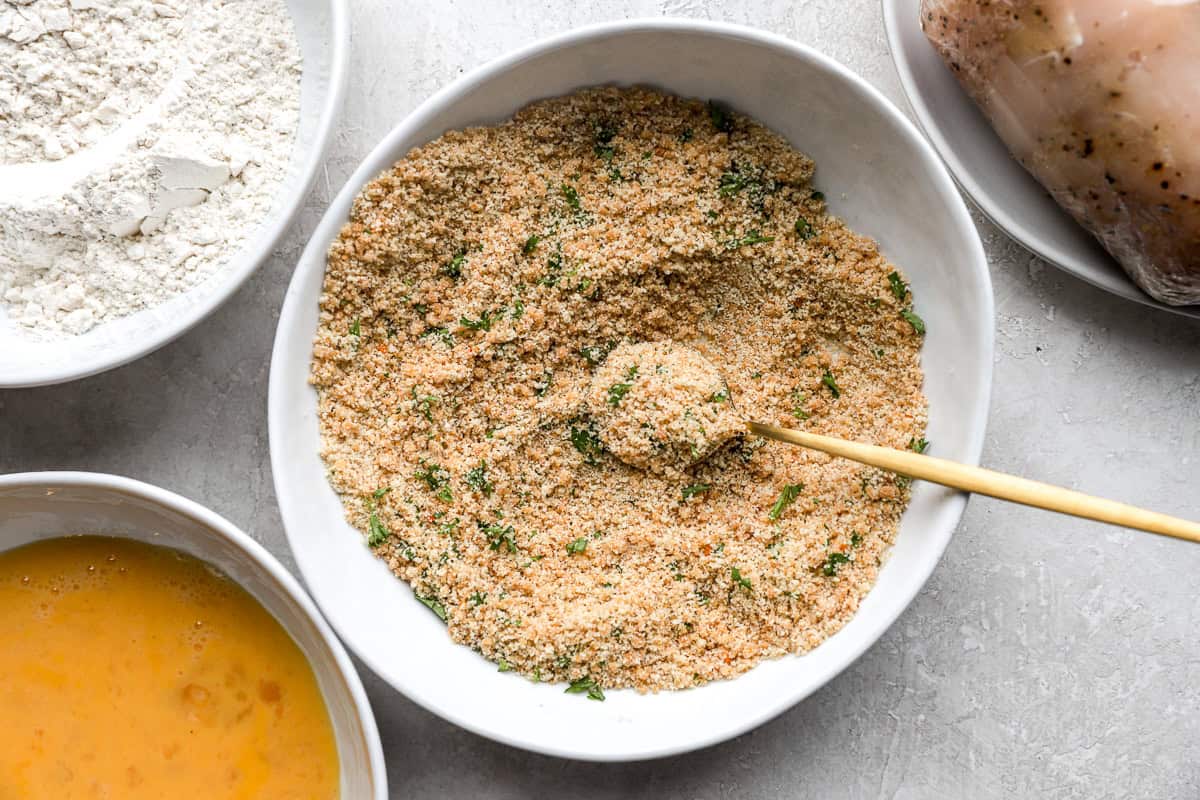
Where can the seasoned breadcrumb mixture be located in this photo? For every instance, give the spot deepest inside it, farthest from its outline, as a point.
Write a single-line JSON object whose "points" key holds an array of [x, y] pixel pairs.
{"points": [[661, 406], [480, 315]]}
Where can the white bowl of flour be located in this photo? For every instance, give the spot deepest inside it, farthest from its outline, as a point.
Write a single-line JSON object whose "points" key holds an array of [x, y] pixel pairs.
{"points": [[152, 153]]}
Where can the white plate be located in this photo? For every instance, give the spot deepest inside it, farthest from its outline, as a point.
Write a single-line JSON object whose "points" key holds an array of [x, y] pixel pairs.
{"points": [[46, 505], [877, 172], [323, 31], [997, 183]]}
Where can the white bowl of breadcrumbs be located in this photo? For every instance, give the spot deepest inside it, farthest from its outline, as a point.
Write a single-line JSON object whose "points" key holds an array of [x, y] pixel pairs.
{"points": [[513, 368]]}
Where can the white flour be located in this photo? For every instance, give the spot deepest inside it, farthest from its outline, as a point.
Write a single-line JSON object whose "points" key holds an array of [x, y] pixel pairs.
{"points": [[140, 144]]}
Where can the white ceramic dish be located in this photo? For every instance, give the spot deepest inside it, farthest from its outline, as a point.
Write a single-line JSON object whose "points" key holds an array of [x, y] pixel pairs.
{"points": [[877, 172], [46, 505], [323, 30], [1001, 188]]}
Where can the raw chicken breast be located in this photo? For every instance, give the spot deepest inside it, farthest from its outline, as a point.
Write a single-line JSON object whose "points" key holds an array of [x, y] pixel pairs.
{"points": [[1100, 100]]}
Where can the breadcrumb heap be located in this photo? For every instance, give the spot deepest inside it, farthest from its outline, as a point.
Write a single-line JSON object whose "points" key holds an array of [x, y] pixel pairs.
{"points": [[661, 406], [572, 518]]}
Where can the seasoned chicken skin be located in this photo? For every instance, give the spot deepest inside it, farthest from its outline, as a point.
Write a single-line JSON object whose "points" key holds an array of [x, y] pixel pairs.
{"points": [[1100, 100]]}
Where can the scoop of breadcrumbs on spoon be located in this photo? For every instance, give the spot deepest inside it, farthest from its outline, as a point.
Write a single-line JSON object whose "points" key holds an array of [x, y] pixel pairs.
{"points": [[661, 406]]}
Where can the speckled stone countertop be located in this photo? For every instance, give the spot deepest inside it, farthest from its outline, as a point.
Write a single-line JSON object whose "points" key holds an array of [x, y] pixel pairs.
{"points": [[1047, 657]]}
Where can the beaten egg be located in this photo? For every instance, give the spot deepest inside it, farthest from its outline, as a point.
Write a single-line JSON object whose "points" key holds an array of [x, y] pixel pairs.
{"points": [[135, 671]]}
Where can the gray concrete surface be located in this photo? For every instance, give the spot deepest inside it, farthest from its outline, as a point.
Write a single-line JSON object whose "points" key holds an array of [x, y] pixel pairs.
{"points": [[1047, 657]]}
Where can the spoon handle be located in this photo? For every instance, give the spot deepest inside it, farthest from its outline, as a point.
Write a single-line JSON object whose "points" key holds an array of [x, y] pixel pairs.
{"points": [[989, 482]]}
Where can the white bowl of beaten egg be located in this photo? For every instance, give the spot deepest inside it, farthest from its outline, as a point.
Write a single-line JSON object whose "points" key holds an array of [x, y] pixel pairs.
{"points": [[207, 670], [873, 172]]}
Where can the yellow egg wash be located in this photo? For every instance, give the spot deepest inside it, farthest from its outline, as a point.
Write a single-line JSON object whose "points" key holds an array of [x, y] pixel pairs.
{"points": [[134, 671]]}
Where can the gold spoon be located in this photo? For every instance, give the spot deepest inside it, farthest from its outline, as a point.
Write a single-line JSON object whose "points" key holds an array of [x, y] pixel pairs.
{"points": [[988, 482]]}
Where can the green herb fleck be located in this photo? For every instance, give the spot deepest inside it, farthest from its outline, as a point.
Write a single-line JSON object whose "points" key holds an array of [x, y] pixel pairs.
{"points": [[695, 489], [423, 404], [595, 353], [578, 546], [571, 195], [738, 580], [503, 666], [356, 328], [721, 116], [484, 323], [901, 291], [604, 133], [719, 397], [606, 130], [499, 536], [830, 566], [818, 196], [543, 384], [477, 479], [918, 445], [530, 245], [803, 229], [588, 685], [617, 392], [733, 181], [798, 410], [477, 599], [786, 497], [753, 237], [454, 268], [433, 604], [442, 334], [686, 135], [436, 478], [377, 533], [748, 178], [554, 266], [831, 382], [856, 539], [917, 323], [587, 442]]}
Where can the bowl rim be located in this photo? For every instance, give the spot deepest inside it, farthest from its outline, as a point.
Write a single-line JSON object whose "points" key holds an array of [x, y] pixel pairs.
{"points": [[989, 206], [256, 553], [280, 393], [283, 217]]}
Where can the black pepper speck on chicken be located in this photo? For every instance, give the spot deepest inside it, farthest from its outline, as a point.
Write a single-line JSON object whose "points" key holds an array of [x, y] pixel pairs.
{"points": [[1100, 101]]}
